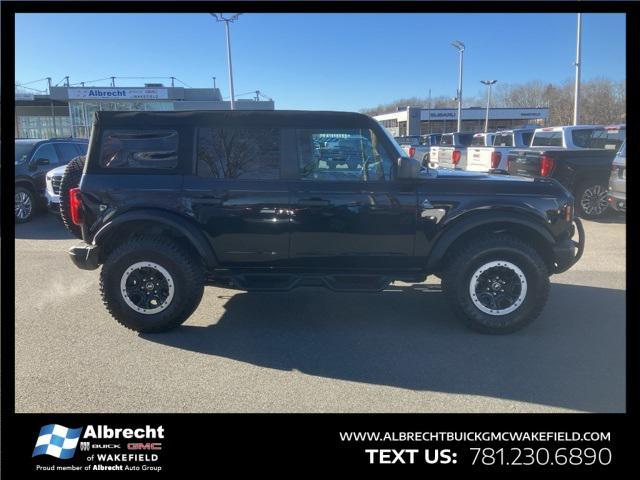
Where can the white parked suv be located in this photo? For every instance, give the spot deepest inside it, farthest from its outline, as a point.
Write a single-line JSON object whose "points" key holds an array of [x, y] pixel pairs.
{"points": [[52, 192]]}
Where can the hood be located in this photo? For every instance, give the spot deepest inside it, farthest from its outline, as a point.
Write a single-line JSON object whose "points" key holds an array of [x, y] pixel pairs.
{"points": [[56, 172]]}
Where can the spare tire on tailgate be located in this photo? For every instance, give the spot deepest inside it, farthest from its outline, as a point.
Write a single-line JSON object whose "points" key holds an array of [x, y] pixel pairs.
{"points": [[70, 179]]}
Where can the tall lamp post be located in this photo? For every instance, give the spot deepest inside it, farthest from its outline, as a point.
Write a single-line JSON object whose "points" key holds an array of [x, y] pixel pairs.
{"points": [[576, 94], [488, 83], [220, 18], [460, 47]]}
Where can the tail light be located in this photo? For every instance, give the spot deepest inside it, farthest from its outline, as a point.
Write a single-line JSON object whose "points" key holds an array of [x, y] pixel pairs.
{"points": [[455, 157], [546, 165], [75, 206], [495, 159], [412, 151]]}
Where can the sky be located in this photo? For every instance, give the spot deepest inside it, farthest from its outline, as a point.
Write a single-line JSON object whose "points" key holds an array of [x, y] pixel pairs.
{"points": [[320, 61]]}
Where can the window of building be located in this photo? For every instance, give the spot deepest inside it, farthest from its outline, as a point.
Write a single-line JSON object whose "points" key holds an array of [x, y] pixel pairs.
{"points": [[40, 126], [242, 153], [139, 149], [342, 154]]}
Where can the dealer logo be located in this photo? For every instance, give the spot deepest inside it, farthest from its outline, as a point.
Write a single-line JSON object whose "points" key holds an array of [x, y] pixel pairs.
{"points": [[57, 441]]}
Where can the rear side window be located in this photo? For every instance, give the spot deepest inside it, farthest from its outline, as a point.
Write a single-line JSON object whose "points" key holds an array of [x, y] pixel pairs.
{"points": [[251, 153], [139, 149], [67, 151], [547, 139], [503, 140]]}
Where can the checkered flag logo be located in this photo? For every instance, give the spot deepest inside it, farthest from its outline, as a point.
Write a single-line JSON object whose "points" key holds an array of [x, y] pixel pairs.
{"points": [[57, 441]]}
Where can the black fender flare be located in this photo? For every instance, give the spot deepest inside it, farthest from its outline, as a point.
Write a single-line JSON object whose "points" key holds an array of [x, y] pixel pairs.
{"points": [[474, 220], [193, 234]]}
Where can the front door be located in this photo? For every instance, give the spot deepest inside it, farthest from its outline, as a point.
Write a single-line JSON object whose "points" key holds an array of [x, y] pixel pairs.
{"points": [[238, 197], [346, 211]]}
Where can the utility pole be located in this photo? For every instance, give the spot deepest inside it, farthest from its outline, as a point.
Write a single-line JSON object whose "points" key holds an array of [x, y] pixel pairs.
{"points": [[214, 82], [488, 83], [172, 81], [113, 81], [578, 64], [53, 110], [227, 20], [460, 47], [429, 112]]}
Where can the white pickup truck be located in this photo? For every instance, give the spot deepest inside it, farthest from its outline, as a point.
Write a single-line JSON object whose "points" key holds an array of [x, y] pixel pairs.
{"points": [[451, 152], [578, 136], [419, 147], [494, 157]]}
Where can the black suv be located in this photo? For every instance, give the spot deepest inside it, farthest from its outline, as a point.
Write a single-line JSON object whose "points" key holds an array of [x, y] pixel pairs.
{"points": [[34, 158], [263, 200]]}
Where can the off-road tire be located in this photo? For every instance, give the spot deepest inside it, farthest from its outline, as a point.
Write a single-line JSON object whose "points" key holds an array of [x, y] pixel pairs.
{"points": [[580, 192], [33, 202], [186, 272], [70, 179], [465, 261]]}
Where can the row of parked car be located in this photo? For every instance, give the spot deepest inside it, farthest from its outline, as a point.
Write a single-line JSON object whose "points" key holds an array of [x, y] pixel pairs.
{"points": [[581, 157]]}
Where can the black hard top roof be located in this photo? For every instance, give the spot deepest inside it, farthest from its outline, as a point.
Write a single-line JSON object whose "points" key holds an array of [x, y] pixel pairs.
{"points": [[275, 118]]}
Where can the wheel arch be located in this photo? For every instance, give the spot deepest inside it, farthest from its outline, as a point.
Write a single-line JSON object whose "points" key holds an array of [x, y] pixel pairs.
{"points": [[150, 220], [465, 229]]}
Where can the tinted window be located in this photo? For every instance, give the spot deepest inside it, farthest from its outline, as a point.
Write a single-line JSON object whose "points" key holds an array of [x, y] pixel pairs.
{"points": [[526, 138], [67, 151], [503, 140], [446, 140], [342, 154], [46, 151], [582, 138], [23, 151], [243, 153], [610, 138], [139, 149], [547, 139], [465, 139]]}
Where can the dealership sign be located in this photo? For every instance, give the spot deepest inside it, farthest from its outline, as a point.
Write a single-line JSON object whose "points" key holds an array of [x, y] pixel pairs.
{"points": [[118, 93]]}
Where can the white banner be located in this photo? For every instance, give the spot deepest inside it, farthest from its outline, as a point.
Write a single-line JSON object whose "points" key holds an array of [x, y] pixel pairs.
{"points": [[118, 93]]}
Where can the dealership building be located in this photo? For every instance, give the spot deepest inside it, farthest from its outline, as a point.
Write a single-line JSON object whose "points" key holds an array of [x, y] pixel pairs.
{"points": [[68, 111], [421, 121]]}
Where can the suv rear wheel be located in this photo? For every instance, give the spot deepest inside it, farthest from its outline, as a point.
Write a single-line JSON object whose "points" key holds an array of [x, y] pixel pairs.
{"points": [[498, 284], [592, 199], [150, 284], [25, 204]]}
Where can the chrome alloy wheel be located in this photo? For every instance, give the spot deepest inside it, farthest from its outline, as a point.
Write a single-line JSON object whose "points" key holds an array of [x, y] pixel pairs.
{"points": [[147, 287], [24, 205], [594, 200], [498, 288]]}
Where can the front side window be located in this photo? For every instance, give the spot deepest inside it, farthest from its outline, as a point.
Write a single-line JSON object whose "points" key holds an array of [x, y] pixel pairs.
{"points": [[251, 153], [140, 149], [47, 152], [342, 154]]}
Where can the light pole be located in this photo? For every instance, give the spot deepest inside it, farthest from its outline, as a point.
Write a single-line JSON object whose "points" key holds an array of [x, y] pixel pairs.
{"points": [[576, 94], [227, 20], [460, 47], [488, 83]]}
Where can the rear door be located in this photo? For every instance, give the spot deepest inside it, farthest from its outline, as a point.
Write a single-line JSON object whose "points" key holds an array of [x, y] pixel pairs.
{"points": [[349, 216], [238, 196]]}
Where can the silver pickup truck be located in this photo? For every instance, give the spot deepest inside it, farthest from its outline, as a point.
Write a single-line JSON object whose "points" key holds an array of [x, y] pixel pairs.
{"points": [[451, 152], [494, 156]]}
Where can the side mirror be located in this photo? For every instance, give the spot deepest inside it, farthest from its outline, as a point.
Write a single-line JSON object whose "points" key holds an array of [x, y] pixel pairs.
{"points": [[407, 167]]}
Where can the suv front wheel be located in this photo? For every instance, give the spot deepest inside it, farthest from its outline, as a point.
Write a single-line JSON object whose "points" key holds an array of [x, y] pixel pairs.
{"points": [[497, 284], [150, 284]]}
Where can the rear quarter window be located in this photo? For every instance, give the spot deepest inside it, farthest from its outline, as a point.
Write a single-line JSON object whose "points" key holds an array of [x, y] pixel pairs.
{"points": [[139, 150]]}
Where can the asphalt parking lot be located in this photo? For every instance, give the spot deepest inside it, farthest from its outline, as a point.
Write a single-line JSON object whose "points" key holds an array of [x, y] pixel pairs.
{"points": [[316, 351]]}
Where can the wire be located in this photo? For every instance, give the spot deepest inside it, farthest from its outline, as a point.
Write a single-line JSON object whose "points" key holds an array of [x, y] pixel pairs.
{"points": [[32, 89], [186, 85], [29, 83]]}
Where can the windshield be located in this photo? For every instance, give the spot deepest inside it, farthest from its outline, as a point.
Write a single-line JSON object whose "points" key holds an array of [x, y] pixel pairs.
{"points": [[22, 151]]}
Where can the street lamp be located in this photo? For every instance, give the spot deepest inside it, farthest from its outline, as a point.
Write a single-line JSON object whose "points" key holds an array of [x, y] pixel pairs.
{"points": [[578, 64], [460, 47], [220, 18], [488, 83]]}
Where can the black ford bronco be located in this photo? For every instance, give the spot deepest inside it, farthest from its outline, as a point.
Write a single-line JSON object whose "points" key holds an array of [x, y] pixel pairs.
{"points": [[169, 202]]}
